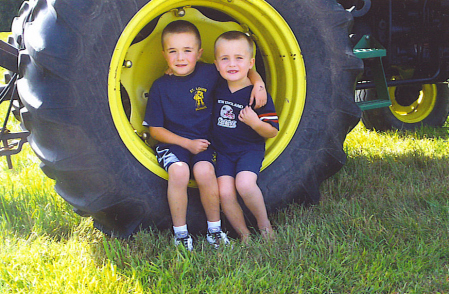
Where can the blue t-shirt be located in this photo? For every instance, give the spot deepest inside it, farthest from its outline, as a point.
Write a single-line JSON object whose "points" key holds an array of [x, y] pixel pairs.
{"points": [[229, 134], [183, 105]]}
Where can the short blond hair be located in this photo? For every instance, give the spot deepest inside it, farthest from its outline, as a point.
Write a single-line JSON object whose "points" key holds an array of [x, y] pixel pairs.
{"points": [[179, 27], [235, 35]]}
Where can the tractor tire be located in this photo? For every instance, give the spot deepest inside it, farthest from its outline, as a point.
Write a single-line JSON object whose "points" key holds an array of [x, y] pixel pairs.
{"points": [[412, 107], [72, 69]]}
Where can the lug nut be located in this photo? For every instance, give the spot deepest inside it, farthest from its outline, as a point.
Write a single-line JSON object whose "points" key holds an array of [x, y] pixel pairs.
{"points": [[128, 64], [180, 12], [145, 136]]}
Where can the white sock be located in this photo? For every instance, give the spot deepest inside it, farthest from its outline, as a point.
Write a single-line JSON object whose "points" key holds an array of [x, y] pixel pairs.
{"points": [[180, 229], [213, 225]]}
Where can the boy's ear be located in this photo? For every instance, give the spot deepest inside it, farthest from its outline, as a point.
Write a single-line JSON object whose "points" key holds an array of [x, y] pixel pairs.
{"points": [[165, 55], [253, 60], [200, 52], [216, 64]]}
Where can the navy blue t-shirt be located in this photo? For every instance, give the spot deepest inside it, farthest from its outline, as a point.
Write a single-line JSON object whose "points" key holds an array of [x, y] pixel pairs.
{"points": [[183, 105], [229, 134]]}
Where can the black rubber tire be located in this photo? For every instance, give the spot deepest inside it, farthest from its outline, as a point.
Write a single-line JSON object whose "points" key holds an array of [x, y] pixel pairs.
{"points": [[316, 150], [382, 119], [64, 86]]}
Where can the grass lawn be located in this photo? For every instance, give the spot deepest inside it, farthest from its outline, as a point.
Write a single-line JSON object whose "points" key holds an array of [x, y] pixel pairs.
{"points": [[381, 227]]}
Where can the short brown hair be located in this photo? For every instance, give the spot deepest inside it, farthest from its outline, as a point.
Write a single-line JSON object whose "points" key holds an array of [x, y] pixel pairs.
{"points": [[179, 27], [236, 35]]}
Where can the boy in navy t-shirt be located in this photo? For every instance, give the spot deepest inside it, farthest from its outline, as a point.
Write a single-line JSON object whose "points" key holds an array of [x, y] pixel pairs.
{"points": [[178, 114], [239, 133]]}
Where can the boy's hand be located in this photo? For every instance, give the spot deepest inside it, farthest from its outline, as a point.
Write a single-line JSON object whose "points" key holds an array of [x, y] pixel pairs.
{"points": [[169, 72], [248, 116], [259, 93], [197, 146]]}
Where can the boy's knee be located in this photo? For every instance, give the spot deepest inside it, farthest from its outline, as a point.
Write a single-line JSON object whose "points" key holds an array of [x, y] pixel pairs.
{"points": [[179, 172], [245, 187], [227, 194], [204, 170]]}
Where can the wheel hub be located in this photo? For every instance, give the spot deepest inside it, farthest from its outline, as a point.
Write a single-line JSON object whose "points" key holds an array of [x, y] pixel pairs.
{"points": [[412, 104]]}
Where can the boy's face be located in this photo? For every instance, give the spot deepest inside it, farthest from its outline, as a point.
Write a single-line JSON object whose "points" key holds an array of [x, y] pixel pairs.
{"points": [[181, 51], [233, 59]]}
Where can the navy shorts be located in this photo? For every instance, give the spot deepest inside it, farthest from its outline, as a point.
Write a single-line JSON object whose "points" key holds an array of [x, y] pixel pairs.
{"points": [[167, 154], [232, 164]]}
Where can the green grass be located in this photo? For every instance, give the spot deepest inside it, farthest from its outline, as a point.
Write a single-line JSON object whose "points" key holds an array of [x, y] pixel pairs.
{"points": [[381, 227]]}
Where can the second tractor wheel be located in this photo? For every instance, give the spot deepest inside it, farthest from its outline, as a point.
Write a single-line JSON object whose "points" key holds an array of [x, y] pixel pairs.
{"points": [[412, 106]]}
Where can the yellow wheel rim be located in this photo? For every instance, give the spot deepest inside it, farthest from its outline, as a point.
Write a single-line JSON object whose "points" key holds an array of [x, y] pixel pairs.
{"points": [[419, 109], [134, 66]]}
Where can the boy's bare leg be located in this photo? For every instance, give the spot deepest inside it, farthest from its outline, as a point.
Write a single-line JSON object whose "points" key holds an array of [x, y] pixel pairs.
{"points": [[178, 179], [252, 196], [231, 207], [204, 174]]}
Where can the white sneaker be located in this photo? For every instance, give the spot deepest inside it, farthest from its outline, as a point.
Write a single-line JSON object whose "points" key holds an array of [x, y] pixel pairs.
{"points": [[185, 239], [215, 236]]}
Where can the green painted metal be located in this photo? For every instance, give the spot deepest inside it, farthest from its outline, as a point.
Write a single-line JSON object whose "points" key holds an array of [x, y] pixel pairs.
{"points": [[369, 48]]}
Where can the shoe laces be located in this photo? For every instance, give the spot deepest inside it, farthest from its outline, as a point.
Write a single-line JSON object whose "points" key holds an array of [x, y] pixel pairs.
{"points": [[218, 236], [183, 238]]}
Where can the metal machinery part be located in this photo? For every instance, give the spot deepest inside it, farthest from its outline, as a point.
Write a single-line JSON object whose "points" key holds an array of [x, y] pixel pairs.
{"points": [[414, 33], [415, 36]]}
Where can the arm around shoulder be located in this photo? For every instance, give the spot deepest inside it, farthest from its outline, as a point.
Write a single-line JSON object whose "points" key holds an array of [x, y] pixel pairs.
{"points": [[259, 92]]}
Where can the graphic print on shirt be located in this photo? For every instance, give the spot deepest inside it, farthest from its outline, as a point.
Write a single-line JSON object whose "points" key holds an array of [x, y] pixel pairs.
{"points": [[227, 116], [226, 112], [199, 98]]}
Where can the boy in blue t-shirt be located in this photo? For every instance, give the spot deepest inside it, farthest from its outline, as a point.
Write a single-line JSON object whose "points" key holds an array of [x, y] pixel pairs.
{"points": [[239, 133], [178, 114]]}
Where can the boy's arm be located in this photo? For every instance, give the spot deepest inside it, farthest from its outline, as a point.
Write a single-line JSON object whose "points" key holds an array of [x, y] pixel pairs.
{"points": [[165, 136], [259, 92], [250, 117], [153, 115]]}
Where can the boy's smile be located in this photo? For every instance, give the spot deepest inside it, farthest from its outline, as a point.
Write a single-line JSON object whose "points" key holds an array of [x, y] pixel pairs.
{"points": [[181, 51]]}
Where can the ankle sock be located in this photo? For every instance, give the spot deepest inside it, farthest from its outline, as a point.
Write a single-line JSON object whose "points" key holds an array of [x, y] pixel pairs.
{"points": [[214, 226], [180, 229]]}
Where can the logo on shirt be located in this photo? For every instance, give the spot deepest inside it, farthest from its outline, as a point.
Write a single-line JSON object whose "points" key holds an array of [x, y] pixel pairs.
{"points": [[226, 112], [227, 117], [199, 98]]}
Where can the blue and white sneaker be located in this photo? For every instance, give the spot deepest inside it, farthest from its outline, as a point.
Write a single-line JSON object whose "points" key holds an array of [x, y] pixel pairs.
{"points": [[185, 239], [216, 236]]}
